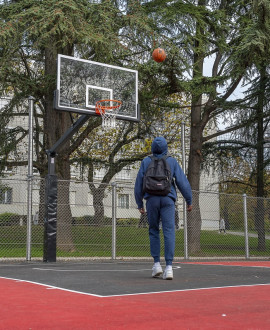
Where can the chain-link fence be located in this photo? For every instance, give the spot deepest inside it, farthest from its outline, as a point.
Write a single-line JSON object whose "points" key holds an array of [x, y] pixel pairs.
{"points": [[97, 221]]}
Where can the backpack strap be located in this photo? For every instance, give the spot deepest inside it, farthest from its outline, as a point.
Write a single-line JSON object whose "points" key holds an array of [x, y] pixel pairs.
{"points": [[172, 179]]}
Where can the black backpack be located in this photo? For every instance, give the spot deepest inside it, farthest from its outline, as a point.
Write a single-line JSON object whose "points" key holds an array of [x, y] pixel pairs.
{"points": [[157, 178]]}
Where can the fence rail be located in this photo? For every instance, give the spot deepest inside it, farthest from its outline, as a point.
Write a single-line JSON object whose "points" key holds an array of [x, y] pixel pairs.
{"points": [[97, 221]]}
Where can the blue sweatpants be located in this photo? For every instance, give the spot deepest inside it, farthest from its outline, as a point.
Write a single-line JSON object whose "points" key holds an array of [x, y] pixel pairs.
{"points": [[161, 207]]}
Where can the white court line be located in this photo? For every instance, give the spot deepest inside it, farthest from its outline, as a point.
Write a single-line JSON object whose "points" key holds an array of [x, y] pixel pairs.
{"points": [[135, 294], [98, 270], [51, 286]]}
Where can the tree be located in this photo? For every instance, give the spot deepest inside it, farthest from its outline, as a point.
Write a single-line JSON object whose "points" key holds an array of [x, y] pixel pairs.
{"points": [[249, 141], [31, 35], [191, 32], [260, 43], [124, 146], [196, 32]]}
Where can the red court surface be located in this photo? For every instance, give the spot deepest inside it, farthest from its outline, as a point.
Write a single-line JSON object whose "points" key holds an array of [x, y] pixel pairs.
{"points": [[26, 305]]}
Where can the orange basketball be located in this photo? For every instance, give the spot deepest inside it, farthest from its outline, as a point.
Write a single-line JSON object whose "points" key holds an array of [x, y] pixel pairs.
{"points": [[159, 55]]}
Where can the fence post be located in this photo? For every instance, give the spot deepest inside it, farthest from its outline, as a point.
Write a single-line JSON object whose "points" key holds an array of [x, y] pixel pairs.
{"points": [[114, 205], [246, 226], [184, 202], [29, 178]]}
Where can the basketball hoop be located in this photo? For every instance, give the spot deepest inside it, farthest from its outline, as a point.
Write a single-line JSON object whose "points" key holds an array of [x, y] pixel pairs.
{"points": [[108, 110]]}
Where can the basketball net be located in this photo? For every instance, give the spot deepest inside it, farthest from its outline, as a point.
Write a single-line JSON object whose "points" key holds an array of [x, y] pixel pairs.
{"points": [[108, 109]]}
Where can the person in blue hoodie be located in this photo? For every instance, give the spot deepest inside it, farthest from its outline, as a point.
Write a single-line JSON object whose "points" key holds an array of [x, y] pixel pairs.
{"points": [[162, 207]]}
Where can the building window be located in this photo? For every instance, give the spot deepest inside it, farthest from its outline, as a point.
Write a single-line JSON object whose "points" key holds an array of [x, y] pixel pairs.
{"points": [[5, 195], [124, 174], [99, 173], [123, 201], [35, 171], [8, 169]]}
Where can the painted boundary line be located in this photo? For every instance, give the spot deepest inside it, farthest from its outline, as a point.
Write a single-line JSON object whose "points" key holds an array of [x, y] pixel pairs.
{"points": [[98, 270], [49, 287]]}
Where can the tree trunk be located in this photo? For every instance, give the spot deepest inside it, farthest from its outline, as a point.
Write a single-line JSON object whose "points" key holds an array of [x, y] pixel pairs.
{"points": [[195, 154], [55, 124], [194, 165], [259, 214], [98, 198], [64, 215]]}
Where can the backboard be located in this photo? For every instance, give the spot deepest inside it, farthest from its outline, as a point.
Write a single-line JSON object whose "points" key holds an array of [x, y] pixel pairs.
{"points": [[81, 83]]}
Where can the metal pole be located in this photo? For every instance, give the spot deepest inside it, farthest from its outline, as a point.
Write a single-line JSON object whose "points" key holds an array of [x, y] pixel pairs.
{"points": [[246, 226], [51, 164], [113, 220], [184, 202], [51, 187], [29, 178]]}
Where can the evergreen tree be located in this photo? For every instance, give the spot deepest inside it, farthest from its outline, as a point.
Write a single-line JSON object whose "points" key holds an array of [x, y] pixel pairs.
{"points": [[115, 32], [32, 33], [253, 113]]}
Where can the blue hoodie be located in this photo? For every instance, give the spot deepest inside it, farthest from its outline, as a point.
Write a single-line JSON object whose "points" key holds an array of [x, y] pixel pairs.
{"points": [[159, 149]]}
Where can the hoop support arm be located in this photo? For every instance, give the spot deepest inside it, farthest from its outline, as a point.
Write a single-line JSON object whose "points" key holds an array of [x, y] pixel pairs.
{"points": [[66, 136]]}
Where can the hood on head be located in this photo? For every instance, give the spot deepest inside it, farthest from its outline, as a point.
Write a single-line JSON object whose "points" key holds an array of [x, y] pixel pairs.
{"points": [[159, 146]]}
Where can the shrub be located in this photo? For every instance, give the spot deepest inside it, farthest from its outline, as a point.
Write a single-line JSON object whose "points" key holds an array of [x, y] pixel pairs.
{"points": [[90, 220], [9, 219], [127, 221]]}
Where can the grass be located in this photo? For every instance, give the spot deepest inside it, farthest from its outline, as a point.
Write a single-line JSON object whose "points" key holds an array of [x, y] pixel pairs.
{"points": [[91, 241]]}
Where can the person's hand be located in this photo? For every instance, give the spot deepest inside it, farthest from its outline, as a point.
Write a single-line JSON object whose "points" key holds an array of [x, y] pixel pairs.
{"points": [[189, 208], [142, 211]]}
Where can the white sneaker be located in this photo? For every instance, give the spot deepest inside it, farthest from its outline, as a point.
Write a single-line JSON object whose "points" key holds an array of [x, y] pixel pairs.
{"points": [[168, 274], [156, 271]]}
